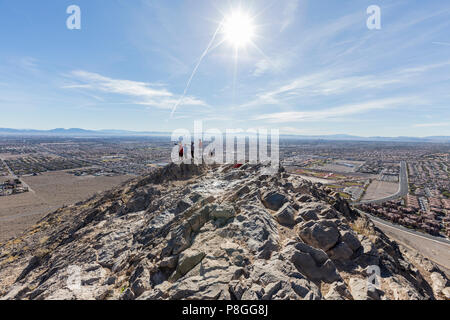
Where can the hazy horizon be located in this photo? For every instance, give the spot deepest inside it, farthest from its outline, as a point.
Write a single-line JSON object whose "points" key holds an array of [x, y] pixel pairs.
{"points": [[120, 132]]}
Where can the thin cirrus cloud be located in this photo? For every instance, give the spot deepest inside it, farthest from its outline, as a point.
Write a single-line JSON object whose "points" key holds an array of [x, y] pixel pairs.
{"points": [[335, 82], [426, 68], [265, 65], [340, 111], [289, 13], [140, 93], [319, 84], [432, 125]]}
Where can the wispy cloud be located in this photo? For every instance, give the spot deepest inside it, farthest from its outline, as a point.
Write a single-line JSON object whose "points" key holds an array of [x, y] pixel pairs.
{"points": [[432, 125], [28, 63], [319, 84], [335, 81], [289, 13], [300, 131], [426, 67], [340, 111], [442, 43], [142, 93], [96, 81], [271, 65]]}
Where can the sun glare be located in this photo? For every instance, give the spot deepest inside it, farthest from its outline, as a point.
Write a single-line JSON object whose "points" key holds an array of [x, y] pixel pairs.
{"points": [[238, 29]]}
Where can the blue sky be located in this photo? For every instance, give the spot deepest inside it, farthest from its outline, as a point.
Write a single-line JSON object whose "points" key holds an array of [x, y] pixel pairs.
{"points": [[314, 68]]}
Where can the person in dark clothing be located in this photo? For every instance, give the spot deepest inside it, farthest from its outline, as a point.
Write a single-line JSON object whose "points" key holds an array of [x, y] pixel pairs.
{"points": [[192, 149], [180, 152]]}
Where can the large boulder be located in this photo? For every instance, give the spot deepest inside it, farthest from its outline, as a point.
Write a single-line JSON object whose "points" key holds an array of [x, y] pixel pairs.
{"points": [[224, 211], [340, 252], [312, 262], [187, 261], [286, 215], [323, 234], [351, 240], [342, 206], [279, 279], [309, 212], [273, 200]]}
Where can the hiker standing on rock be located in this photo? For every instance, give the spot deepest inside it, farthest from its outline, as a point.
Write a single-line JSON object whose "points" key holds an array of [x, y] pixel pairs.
{"points": [[180, 150]]}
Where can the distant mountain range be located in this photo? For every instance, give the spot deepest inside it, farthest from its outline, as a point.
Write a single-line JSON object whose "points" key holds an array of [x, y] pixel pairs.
{"points": [[77, 132], [345, 137]]}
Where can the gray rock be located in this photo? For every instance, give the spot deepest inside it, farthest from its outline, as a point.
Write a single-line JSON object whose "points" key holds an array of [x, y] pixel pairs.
{"points": [[127, 295], [224, 211], [139, 287], [271, 289], [323, 234], [194, 197], [169, 262], [180, 238], [111, 280], [446, 293], [141, 200], [439, 283], [266, 250], [285, 216], [240, 193], [187, 261], [304, 198], [237, 289], [318, 255], [340, 252], [305, 290], [312, 262], [328, 213], [362, 291], [183, 205], [369, 253], [308, 213], [273, 200], [252, 294], [338, 291], [351, 240]]}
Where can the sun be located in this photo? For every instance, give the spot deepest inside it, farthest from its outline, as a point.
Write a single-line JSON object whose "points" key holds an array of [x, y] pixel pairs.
{"points": [[238, 29]]}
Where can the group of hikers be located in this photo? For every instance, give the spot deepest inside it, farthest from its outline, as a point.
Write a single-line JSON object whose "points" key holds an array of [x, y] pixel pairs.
{"points": [[183, 149]]}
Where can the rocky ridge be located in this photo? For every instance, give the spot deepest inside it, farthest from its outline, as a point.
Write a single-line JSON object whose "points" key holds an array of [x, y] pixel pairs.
{"points": [[213, 232]]}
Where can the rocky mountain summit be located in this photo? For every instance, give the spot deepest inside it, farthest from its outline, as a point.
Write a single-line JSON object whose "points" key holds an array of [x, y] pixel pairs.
{"points": [[213, 232]]}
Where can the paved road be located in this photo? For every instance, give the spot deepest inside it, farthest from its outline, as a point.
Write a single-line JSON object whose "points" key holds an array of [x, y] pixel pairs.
{"points": [[436, 249], [418, 234], [402, 188]]}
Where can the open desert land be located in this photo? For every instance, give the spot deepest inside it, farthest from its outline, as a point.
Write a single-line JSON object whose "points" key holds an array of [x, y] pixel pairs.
{"points": [[49, 192], [317, 180], [380, 189], [340, 166]]}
